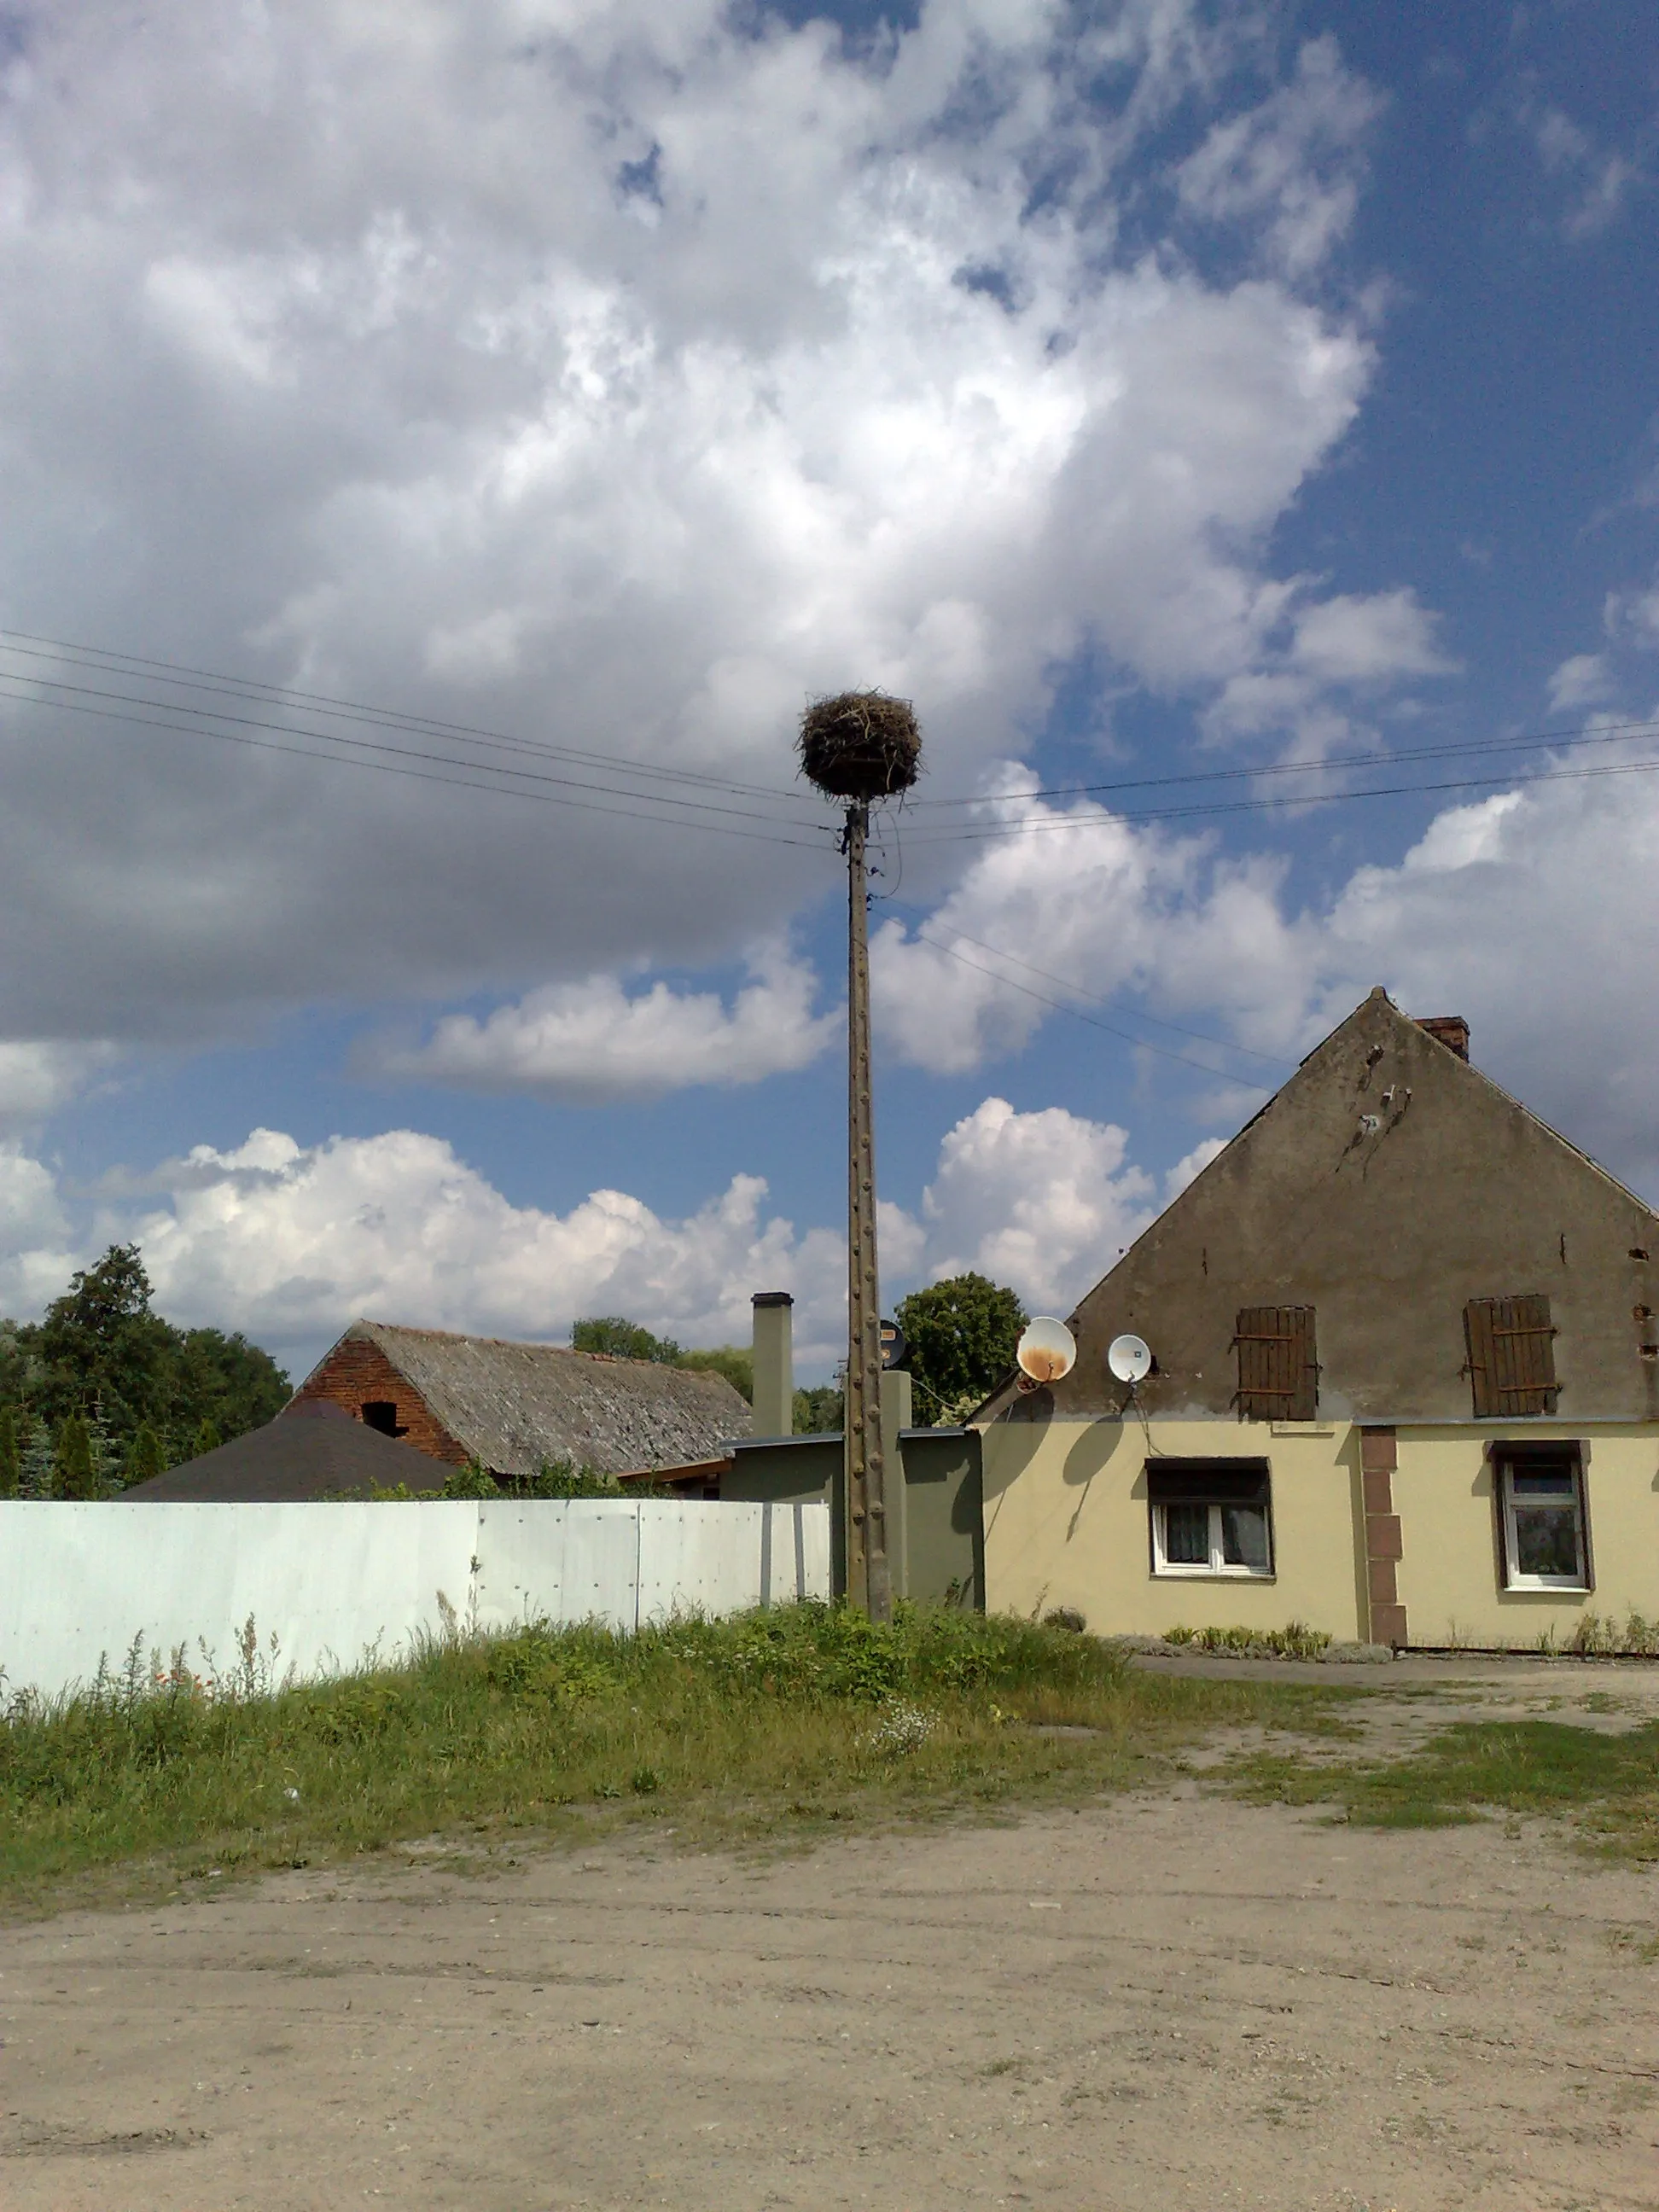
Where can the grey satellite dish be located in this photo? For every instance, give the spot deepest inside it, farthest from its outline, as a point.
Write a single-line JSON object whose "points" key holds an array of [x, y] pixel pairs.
{"points": [[1047, 1350], [1130, 1359]]}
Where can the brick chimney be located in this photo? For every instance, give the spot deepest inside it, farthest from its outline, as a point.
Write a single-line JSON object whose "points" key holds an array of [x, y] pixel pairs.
{"points": [[1452, 1030], [774, 1363]]}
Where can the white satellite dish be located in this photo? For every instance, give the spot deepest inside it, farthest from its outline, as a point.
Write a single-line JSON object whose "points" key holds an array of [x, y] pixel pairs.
{"points": [[1047, 1350], [1130, 1359]]}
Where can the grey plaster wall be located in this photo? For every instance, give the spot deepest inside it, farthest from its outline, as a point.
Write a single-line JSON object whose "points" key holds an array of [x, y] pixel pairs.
{"points": [[935, 1522], [1385, 1185]]}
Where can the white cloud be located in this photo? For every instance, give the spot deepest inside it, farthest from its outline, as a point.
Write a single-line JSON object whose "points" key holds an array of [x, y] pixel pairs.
{"points": [[289, 1242], [590, 1042], [1188, 1170], [614, 376], [1044, 1201], [35, 1242], [1089, 905], [1531, 911], [1599, 179], [37, 1078], [1583, 680], [1295, 160]]}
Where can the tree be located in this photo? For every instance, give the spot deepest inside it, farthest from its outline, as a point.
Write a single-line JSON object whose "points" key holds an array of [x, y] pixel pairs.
{"points": [[735, 1361], [11, 1462], [207, 1439], [621, 1339], [144, 1460], [37, 1470], [820, 1412], [102, 1354], [961, 1335], [73, 1473]]}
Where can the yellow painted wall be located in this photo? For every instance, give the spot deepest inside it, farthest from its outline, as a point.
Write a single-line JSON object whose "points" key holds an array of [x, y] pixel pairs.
{"points": [[1449, 1577], [1066, 1523]]}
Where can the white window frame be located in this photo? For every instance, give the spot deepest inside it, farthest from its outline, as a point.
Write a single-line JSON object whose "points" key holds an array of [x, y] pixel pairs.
{"points": [[1219, 1569], [1513, 1577]]}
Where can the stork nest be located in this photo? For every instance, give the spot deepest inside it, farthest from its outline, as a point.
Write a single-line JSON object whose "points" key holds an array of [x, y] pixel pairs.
{"points": [[861, 744]]}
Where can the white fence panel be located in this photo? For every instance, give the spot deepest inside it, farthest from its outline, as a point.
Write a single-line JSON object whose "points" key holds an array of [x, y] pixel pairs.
{"points": [[689, 1564], [334, 1581], [561, 1559], [79, 1583]]}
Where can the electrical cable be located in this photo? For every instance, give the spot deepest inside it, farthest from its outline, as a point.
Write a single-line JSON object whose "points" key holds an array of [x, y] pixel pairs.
{"points": [[1065, 983], [1062, 1006], [428, 776], [1047, 824], [25, 644], [1529, 741]]}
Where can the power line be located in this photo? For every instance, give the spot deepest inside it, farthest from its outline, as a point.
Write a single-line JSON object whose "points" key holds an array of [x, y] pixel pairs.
{"points": [[362, 744], [1062, 1006], [423, 775], [1042, 825], [1065, 983], [1532, 741], [180, 675]]}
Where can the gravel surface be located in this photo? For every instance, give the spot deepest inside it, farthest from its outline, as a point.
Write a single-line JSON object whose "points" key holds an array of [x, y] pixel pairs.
{"points": [[1168, 2000]]}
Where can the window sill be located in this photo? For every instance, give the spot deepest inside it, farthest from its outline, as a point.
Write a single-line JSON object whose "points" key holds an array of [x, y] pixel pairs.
{"points": [[1538, 1587], [1212, 1575], [1303, 1428]]}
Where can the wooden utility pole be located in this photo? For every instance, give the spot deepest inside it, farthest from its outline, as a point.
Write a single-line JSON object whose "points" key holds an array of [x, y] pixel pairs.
{"points": [[869, 1577]]}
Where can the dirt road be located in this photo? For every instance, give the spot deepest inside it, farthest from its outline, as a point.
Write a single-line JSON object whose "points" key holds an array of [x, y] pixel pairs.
{"points": [[1166, 2001]]}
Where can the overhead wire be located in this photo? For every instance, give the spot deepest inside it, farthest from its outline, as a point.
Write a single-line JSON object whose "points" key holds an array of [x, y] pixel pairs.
{"points": [[1095, 998], [987, 832], [430, 774], [1526, 741], [25, 644]]}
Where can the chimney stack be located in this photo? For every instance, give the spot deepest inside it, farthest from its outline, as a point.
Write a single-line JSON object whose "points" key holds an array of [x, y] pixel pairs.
{"points": [[1450, 1030], [774, 1363]]}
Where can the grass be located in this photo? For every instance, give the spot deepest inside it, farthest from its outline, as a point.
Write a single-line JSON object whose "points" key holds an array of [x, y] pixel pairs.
{"points": [[1475, 1768], [1296, 1640], [777, 1723]]}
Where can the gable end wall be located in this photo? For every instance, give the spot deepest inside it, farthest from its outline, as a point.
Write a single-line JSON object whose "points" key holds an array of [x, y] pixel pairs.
{"points": [[358, 1372]]}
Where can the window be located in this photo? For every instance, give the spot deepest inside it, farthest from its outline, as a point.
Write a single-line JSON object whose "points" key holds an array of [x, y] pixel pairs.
{"points": [[1511, 1356], [381, 1413], [1541, 1519], [1210, 1518], [1278, 1372]]}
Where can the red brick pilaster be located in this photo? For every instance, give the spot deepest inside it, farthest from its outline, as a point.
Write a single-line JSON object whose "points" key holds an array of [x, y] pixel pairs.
{"points": [[1378, 1460]]}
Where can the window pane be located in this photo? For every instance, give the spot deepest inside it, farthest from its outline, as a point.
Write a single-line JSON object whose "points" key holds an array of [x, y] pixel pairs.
{"points": [[1244, 1536], [1552, 1485], [1547, 1540], [1187, 1535]]}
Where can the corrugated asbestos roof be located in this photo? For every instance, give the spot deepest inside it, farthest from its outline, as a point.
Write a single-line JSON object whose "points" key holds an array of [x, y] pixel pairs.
{"points": [[514, 1406], [314, 1450]]}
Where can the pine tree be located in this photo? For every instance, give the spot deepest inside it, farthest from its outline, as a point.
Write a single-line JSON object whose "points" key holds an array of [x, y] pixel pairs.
{"points": [[144, 1459], [10, 1461], [37, 1470], [207, 1439], [102, 1455], [72, 1461]]}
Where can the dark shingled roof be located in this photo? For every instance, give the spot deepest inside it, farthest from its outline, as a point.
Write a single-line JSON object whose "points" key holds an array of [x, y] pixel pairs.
{"points": [[310, 1450], [512, 1407]]}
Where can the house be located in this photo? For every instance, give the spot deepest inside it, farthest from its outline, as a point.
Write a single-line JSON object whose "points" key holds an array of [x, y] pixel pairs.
{"points": [[513, 1408], [932, 1501], [1405, 1383], [313, 1448]]}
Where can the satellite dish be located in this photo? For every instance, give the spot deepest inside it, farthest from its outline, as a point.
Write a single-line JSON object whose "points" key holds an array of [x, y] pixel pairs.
{"points": [[1046, 1351], [1130, 1359]]}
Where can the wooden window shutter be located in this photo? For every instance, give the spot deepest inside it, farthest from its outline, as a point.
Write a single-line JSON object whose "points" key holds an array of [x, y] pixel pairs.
{"points": [[1277, 1371], [1511, 1356]]}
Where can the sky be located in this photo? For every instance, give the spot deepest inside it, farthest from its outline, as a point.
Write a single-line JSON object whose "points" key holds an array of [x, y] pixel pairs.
{"points": [[443, 448]]}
